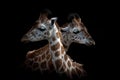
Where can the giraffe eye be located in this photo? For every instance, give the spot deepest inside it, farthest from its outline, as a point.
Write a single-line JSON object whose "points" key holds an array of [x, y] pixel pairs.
{"points": [[42, 29], [76, 31], [63, 30]]}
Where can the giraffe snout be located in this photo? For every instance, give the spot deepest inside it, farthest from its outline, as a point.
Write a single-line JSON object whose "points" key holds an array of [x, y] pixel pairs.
{"points": [[24, 39], [91, 41]]}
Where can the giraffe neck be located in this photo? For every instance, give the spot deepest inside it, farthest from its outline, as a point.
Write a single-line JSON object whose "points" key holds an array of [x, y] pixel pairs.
{"points": [[56, 58], [66, 42], [38, 59], [56, 49], [61, 61]]}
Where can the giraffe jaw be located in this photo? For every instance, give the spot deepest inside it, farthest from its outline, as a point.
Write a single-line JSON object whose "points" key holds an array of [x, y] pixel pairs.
{"points": [[24, 40], [90, 43]]}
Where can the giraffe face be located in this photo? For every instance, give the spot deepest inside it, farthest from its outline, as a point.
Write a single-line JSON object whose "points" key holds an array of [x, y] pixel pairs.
{"points": [[77, 32], [40, 31]]}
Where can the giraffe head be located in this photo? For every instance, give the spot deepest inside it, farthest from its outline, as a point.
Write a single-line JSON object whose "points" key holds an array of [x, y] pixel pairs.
{"points": [[41, 30], [76, 31]]}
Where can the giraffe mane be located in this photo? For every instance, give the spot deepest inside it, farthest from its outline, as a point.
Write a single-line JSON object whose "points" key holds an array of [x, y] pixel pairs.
{"points": [[60, 34]]}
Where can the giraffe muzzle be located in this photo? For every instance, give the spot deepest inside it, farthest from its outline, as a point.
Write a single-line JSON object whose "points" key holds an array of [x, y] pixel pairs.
{"points": [[25, 39], [90, 42]]}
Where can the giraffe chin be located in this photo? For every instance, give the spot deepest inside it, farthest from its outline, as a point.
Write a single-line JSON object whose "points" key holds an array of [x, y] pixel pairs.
{"points": [[90, 43], [25, 41]]}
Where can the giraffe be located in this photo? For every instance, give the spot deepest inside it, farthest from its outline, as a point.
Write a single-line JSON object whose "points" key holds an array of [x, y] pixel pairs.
{"points": [[61, 61], [76, 32], [38, 57]]}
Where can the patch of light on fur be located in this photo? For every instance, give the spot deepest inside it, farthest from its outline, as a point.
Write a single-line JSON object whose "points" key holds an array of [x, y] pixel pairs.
{"points": [[54, 18], [29, 52], [42, 26], [55, 42]]}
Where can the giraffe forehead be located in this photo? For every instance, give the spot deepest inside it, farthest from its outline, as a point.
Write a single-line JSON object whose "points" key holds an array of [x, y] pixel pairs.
{"points": [[81, 26], [78, 23], [74, 25]]}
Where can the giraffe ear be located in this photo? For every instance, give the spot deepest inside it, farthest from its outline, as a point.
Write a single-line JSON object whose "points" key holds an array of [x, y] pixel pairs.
{"points": [[53, 20], [65, 29]]}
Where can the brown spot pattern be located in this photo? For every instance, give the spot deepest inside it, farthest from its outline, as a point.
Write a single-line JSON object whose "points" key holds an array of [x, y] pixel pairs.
{"points": [[51, 67], [69, 63], [63, 67], [57, 35], [53, 38], [31, 55], [79, 65], [48, 56], [57, 53], [43, 65], [43, 56], [62, 49], [58, 63], [80, 70], [73, 72], [65, 57], [61, 37], [37, 52], [47, 52], [55, 47], [73, 64], [64, 46], [40, 59], [48, 33]]}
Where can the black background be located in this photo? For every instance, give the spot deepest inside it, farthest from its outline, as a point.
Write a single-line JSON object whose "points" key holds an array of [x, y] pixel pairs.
{"points": [[24, 14]]}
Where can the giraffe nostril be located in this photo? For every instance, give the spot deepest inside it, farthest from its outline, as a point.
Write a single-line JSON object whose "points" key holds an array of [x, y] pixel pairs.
{"points": [[92, 41]]}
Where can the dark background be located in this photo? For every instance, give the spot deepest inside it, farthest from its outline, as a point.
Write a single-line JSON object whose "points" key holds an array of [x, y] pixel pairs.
{"points": [[24, 14]]}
